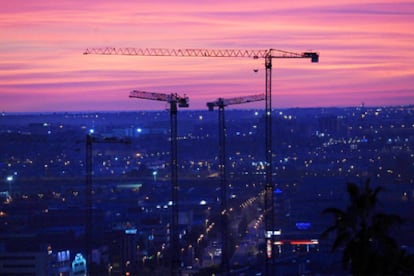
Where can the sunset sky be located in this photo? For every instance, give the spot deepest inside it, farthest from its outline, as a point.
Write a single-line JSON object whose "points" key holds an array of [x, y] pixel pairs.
{"points": [[366, 52]]}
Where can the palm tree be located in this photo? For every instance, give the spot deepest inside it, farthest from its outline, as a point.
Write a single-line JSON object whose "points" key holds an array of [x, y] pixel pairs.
{"points": [[364, 234]]}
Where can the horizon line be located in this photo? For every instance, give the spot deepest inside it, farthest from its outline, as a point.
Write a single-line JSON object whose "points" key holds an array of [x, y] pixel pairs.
{"points": [[5, 113]]}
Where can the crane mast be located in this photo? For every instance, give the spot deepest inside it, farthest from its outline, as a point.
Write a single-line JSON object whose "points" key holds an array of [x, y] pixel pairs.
{"points": [[181, 101], [268, 55], [90, 140], [220, 104]]}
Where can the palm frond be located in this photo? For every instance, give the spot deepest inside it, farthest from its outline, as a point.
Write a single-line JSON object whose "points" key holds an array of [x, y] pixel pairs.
{"points": [[328, 230], [352, 190], [334, 211], [341, 239]]}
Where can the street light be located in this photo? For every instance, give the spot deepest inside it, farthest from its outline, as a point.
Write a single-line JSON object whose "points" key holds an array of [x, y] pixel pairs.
{"points": [[9, 180]]}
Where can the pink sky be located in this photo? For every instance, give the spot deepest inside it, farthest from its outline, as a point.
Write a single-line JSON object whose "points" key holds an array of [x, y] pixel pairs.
{"points": [[366, 52]]}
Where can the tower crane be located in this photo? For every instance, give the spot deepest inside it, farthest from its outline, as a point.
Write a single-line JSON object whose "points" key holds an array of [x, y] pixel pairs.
{"points": [[90, 140], [268, 55], [182, 101], [220, 103]]}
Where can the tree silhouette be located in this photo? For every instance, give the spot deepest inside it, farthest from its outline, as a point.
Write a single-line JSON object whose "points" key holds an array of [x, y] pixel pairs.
{"points": [[364, 235]]}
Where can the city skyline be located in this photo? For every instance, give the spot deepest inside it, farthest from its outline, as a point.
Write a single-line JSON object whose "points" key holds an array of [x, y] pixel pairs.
{"points": [[44, 159], [365, 53]]}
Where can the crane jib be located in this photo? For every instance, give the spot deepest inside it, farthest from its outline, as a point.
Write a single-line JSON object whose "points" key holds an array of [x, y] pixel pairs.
{"points": [[269, 53]]}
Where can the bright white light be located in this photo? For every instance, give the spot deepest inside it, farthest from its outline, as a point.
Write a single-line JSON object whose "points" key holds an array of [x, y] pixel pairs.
{"points": [[269, 234], [91, 131], [139, 130], [9, 178], [203, 202]]}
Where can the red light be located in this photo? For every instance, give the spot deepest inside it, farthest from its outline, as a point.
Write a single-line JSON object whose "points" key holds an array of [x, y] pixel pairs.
{"points": [[301, 242]]}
